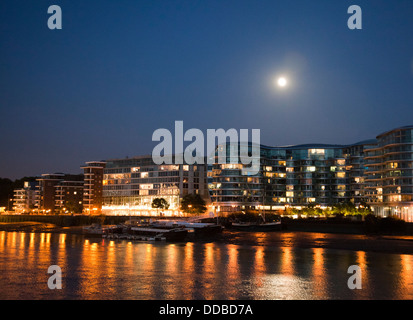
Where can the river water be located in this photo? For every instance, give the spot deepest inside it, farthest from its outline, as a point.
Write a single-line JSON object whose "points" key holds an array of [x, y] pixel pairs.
{"points": [[102, 269]]}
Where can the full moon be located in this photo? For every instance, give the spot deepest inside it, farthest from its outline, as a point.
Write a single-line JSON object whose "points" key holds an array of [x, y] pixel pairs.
{"points": [[282, 82]]}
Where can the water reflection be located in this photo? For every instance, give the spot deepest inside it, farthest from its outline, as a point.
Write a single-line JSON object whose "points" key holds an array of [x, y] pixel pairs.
{"points": [[406, 278], [318, 273], [232, 271], [101, 269]]}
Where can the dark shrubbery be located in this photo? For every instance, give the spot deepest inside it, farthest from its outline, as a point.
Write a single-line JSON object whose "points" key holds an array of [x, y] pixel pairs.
{"points": [[371, 224], [389, 225], [393, 225]]}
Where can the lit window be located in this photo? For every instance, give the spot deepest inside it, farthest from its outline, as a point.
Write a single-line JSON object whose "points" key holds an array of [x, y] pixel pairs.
{"points": [[234, 166], [319, 152], [341, 174]]}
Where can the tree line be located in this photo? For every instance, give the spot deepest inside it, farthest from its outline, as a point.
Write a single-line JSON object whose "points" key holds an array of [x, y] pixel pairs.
{"points": [[344, 209]]}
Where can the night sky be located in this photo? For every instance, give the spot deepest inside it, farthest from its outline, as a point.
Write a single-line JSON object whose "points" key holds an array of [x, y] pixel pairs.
{"points": [[118, 70]]}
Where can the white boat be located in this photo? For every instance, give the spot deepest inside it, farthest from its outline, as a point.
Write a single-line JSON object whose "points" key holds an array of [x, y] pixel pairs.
{"points": [[198, 227], [177, 234]]}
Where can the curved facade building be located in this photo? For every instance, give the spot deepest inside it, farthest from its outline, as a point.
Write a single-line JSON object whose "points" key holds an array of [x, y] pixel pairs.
{"points": [[389, 174], [355, 169], [377, 172], [297, 176]]}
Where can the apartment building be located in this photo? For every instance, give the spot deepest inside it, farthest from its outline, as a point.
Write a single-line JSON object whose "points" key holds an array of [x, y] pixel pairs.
{"points": [[59, 193], [389, 173], [93, 187], [131, 184], [376, 172], [24, 198]]}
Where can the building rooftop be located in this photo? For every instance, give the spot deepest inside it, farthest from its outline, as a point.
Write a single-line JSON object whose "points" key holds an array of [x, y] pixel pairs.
{"points": [[395, 129]]}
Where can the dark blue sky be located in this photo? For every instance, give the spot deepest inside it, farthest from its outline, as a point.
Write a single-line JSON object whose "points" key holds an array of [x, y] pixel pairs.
{"points": [[118, 70]]}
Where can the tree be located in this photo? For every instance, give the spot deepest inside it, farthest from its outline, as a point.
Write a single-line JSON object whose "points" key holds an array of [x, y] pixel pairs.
{"points": [[349, 208], [6, 192], [73, 206], [160, 203], [193, 204]]}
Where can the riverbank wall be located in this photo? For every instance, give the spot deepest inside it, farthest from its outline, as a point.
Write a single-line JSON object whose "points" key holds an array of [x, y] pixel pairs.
{"points": [[64, 220], [324, 227], [340, 226], [373, 225]]}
